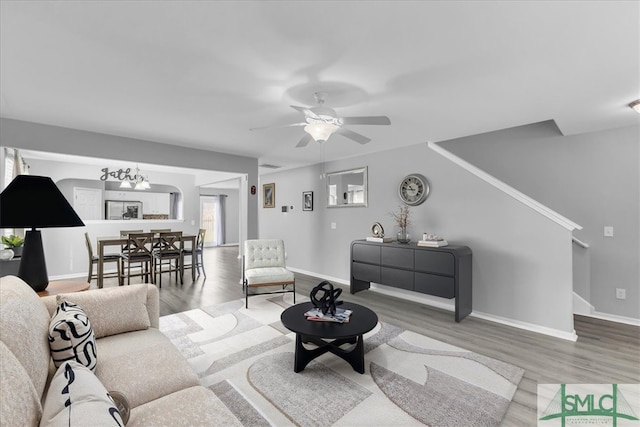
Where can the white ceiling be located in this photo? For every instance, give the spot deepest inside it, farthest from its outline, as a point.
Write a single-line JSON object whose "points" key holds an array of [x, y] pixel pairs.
{"points": [[202, 73]]}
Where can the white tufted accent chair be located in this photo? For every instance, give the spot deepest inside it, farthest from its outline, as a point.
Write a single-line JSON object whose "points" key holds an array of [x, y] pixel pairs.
{"points": [[264, 265]]}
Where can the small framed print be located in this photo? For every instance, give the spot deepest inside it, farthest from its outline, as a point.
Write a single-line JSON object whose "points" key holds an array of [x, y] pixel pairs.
{"points": [[269, 195], [307, 200]]}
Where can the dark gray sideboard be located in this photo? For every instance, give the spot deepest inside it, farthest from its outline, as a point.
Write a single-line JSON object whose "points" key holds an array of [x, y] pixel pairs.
{"points": [[443, 272]]}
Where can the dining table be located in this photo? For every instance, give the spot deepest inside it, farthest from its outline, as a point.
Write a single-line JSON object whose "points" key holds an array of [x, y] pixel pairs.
{"points": [[103, 242]]}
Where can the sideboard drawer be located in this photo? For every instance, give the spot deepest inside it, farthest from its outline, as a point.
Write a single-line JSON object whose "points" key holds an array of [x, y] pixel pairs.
{"points": [[435, 262], [397, 257], [440, 286], [365, 272], [366, 253], [397, 278]]}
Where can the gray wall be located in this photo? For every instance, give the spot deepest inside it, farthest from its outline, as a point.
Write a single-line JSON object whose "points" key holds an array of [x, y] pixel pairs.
{"points": [[592, 178], [521, 260], [34, 136]]}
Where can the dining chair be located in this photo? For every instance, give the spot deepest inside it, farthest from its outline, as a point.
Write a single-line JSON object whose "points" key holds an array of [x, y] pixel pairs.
{"points": [[139, 250], [199, 254], [160, 230], [168, 252], [110, 257], [125, 233]]}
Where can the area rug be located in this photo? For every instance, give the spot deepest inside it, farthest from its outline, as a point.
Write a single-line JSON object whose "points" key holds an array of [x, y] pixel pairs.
{"points": [[245, 356]]}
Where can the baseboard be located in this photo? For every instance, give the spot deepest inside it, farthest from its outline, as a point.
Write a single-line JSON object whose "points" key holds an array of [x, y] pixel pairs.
{"points": [[556, 333], [320, 276], [449, 305], [582, 307], [613, 318]]}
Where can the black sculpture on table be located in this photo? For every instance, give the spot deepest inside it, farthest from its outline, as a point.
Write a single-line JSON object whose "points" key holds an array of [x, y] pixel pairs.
{"points": [[328, 301]]}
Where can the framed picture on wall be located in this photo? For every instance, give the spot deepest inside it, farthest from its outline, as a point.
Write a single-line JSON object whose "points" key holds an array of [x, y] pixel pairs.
{"points": [[307, 200], [269, 195]]}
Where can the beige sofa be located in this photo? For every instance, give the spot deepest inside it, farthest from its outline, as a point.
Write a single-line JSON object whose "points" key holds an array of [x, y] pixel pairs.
{"points": [[141, 363]]}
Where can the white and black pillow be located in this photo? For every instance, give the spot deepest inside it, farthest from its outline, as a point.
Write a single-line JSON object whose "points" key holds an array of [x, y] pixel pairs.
{"points": [[71, 336], [76, 397]]}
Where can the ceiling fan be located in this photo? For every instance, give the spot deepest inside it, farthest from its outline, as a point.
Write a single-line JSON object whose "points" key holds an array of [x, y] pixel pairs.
{"points": [[321, 122]]}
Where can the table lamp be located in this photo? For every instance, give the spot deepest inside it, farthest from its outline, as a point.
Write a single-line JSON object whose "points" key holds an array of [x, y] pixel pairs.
{"points": [[35, 202]]}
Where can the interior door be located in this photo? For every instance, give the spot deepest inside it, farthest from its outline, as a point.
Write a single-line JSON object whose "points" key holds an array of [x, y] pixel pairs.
{"points": [[87, 202]]}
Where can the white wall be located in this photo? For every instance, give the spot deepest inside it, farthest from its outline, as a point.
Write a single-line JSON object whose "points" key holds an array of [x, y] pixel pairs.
{"points": [[522, 268], [594, 179]]}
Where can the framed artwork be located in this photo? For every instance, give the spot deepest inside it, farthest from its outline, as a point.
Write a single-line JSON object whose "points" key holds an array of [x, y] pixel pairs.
{"points": [[269, 195], [307, 200]]}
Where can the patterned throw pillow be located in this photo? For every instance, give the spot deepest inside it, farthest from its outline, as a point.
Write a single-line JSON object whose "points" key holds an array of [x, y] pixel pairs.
{"points": [[71, 336], [76, 397]]}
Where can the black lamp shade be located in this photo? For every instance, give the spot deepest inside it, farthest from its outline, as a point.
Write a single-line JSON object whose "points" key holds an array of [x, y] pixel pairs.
{"points": [[35, 202]]}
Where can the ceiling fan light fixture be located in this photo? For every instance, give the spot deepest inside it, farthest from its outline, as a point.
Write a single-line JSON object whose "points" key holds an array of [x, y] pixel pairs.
{"points": [[320, 131], [635, 105]]}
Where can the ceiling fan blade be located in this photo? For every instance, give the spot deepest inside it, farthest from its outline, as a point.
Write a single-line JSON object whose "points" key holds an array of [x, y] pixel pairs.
{"points": [[279, 126], [366, 120], [304, 141], [307, 112], [360, 139]]}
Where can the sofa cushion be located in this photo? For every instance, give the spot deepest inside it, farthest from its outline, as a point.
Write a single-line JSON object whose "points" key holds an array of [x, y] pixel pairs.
{"points": [[71, 336], [77, 398], [194, 406], [144, 365], [255, 276], [19, 401], [24, 322], [113, 310]]}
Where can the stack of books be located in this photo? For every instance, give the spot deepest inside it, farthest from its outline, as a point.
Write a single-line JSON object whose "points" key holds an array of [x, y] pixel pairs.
{"points": [[433, 243], [341, 316], [379, 239]]}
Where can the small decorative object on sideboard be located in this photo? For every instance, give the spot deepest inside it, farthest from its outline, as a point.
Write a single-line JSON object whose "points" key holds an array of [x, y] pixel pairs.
{"points": [[377, 234], [432, 240], [402, 220]]}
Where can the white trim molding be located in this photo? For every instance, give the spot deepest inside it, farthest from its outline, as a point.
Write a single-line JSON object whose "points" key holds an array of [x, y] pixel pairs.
{"points": [[526, 200]]}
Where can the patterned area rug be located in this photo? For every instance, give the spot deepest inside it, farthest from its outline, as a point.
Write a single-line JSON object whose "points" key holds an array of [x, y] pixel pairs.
{"points": [[246, 357]]}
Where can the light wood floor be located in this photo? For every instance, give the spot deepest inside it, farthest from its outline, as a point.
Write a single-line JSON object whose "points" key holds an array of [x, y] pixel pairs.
{"points": [[605, 352]]}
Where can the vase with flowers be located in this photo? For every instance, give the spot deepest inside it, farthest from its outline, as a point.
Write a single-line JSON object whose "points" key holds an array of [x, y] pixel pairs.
{"points": [[402, 219]]}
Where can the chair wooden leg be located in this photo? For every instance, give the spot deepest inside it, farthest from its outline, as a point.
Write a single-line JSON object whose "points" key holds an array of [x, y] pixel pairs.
{"points": [[201, 265], [90, 272]]}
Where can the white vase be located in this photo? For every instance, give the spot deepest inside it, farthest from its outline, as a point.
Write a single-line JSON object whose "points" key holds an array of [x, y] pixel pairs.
{"points": [[6, 255]]}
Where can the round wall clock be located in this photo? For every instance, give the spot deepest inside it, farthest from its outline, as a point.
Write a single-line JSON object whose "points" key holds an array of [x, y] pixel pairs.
{"points": [[414, 189]]}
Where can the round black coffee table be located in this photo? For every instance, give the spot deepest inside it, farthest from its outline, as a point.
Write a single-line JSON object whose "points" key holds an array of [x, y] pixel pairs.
{"points": [[362, 320]]}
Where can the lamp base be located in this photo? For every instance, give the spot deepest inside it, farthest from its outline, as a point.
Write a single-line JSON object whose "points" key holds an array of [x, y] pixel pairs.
{"points": [[33, 269]]}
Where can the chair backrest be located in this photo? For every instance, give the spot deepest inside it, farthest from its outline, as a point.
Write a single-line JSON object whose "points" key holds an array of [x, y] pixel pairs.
{"points": [[170, 242], [200, 240], [87, 241], [160, 230], [125, 233], [262, 253], [139, 245]]}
